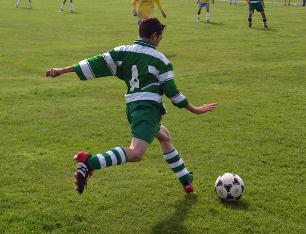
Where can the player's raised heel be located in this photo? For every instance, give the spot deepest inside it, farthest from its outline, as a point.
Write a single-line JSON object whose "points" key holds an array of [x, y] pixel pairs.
{"points": [[83, 171], [188, 185], [188, 188]]}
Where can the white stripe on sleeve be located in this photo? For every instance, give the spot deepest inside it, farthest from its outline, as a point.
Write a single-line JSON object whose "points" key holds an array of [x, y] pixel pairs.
{"points": [[110, 62], [178, 98], [85, 67]]}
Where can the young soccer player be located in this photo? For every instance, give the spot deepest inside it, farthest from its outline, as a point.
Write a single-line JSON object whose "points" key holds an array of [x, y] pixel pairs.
{"points": [[144, 8], [201, 4], [148, 75], [257, 5], [18, 3], [63, 5]]}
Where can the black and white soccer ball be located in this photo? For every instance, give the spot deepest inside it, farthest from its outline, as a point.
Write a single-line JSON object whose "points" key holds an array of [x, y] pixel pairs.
{"points": [[229, 187]]}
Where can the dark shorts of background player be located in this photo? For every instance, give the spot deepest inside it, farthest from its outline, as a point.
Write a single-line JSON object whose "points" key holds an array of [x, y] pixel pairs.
{"points": [[144, 118], [256, 6]]}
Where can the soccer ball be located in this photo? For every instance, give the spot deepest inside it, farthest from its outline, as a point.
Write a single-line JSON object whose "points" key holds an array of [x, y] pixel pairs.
{"points": [[229, 187]]}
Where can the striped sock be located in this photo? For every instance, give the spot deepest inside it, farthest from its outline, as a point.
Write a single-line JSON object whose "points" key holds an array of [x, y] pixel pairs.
{"points": [[177, 165], [112, 157]]}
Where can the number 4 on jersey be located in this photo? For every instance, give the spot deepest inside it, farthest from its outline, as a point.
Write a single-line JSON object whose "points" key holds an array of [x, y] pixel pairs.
{"points": [[134, 82]]}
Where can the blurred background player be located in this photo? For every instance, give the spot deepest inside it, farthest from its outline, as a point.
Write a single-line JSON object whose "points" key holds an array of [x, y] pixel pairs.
{"points": [[257, 5], [201, 4], [144, 8], [18, 3], [63, 5], [232, 2]]}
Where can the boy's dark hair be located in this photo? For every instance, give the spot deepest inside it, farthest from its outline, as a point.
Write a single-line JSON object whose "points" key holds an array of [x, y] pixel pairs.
{"points": [[150, 25]]}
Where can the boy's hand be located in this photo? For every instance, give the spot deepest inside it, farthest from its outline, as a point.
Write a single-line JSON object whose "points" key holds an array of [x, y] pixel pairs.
{"points": [[201, 109], [54, 72]]}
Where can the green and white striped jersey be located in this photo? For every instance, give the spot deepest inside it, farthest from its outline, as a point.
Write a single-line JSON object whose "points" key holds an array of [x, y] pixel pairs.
{"points": [[147, 73]]}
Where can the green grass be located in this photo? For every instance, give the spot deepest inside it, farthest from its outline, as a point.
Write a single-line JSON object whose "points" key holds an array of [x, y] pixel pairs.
{"points": [[256, 76]]}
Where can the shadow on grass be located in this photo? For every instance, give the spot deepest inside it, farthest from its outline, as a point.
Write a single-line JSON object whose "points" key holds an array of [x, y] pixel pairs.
{"points": [[265, 29], [239, 205], [69, 13], [215, 23], [24, 8], [174, 223], [211, 23]]}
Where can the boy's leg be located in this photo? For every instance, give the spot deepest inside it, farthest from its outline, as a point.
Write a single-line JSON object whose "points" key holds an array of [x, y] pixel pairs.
{"points": [[172, 157], [30, 4], [17, 3], [116, 156], [144, 118], [119, 155]]}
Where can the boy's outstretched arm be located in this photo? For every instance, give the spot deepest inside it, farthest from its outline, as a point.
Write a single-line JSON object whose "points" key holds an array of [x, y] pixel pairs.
{"points": [[100, 65], [201, 109], [54, 72]]}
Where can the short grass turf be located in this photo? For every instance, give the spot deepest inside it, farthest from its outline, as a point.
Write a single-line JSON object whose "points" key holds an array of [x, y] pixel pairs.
{"points": [[256, 76]]}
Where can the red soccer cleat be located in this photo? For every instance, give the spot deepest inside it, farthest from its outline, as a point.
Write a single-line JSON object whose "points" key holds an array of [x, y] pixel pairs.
{"points": [[188, 185], [188, 188], [83, 172]]}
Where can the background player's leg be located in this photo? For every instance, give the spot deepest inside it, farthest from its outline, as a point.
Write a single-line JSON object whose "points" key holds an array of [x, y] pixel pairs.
{"points": [[264, 19], [250, 18], [63, 5], [207, 17], [198, 14], [71, 6]]}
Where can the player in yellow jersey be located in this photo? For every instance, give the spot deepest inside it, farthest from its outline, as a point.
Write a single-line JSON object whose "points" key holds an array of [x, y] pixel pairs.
{"points": [[201, 4], [144, 8]]}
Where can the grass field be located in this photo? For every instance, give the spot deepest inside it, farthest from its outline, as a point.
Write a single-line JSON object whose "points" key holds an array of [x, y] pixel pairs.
{"points": [[257, 77]]}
